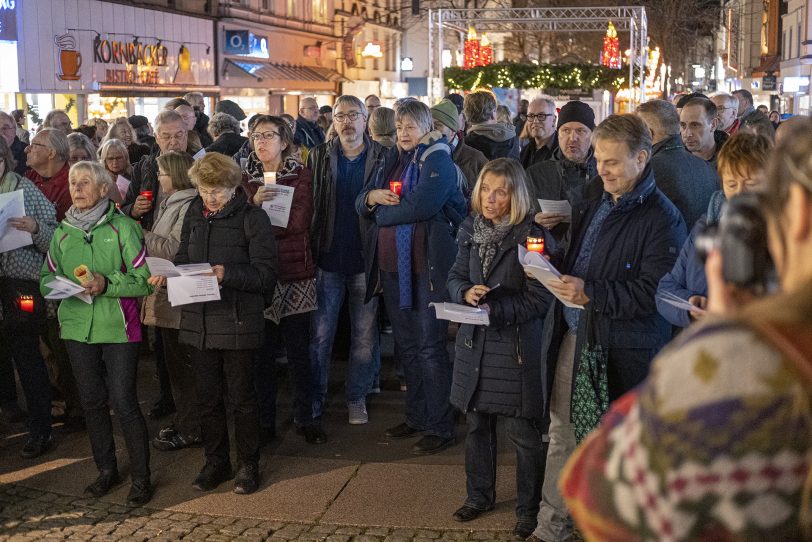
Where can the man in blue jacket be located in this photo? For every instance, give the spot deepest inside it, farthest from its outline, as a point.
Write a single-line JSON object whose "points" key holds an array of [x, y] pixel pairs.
{"points": [[625, 237]]}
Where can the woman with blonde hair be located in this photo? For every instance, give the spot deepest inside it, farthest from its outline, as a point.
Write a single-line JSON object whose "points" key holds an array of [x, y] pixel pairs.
{"points": [[115, 158], [122, 130]]}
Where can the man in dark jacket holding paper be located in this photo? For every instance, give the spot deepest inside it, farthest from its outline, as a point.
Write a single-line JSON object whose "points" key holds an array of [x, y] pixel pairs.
{"points": [[625, 236]]}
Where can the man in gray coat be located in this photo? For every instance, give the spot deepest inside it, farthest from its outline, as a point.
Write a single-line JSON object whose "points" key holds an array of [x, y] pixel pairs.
{"points": [[687, 180], [468, 159]]}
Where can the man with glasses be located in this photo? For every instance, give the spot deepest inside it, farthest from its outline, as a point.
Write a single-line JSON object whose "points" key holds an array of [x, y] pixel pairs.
{"points": [[308, 133], [341, 168], [540, 124], [47, 157], [8, 131], [727, 106]]}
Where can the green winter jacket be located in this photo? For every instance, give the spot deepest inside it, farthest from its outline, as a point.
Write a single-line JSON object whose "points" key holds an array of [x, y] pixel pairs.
{"points": [[114, 248]]}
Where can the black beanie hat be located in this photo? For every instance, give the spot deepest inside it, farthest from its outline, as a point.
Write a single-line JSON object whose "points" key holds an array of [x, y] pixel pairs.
{"points": [[576, 111]]}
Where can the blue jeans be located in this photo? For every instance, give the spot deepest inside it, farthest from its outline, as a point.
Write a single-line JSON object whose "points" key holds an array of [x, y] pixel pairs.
{"points": [[365, 351], [480, 463], [23, 348], [421, 345], [106, 374]]}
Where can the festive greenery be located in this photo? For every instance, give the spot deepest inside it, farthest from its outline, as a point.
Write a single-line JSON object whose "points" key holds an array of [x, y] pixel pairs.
{"points": [[546, 76]]}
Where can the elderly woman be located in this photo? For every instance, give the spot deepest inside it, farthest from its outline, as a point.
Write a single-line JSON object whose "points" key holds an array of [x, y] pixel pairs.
{"points": [[287, 320], [225, 130], [115, 158], [80, 149], [412, 238], [101, 249], [162, 241], [223, 228], [742, 164], [121, 129], [498, 368], [382, 127], [19, 276]]}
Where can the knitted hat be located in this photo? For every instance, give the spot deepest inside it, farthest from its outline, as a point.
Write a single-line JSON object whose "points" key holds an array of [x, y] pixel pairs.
{"points": [[227, 106], [446, 112], [576, 111], [137, 121]]}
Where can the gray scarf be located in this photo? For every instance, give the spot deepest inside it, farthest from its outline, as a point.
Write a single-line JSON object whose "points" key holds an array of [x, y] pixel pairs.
{"points": [[489, 235], [85, 220]]}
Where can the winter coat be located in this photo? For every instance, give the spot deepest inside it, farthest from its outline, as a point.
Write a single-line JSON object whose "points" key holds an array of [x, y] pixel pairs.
{"points": [[163, 242], [532, 155], [636, 247], [559, 179], [145, 177], [240, 239], [295, 254], [498, 368], [137, 151], [308, 134], [470, 161], [18, 152], [686, 279], [323, 163], [494, 140], [436, 202], [55, 189], [114, 248], [227, 143], [687, 180]]}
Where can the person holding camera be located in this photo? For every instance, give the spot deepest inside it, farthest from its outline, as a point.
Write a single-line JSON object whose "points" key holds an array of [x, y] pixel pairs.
{"points": [[715, 443], [742, 166]]}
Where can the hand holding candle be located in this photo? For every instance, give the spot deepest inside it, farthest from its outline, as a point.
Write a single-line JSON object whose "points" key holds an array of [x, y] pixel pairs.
{"points": [[396, 187], [535, 244], [147, 194]]}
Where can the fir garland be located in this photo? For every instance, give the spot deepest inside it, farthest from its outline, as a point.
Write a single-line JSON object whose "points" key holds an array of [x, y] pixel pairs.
{"points": [[544, 76]]}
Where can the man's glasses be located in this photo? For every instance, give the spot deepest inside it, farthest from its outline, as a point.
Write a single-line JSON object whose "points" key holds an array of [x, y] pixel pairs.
{"points": [[34, 144], [352, 116], [177, 137], [541, 117], [264, 136]]}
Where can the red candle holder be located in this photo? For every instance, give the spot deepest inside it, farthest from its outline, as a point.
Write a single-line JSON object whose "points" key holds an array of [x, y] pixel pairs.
{"points": [[535, 244], [26, 303], [147, 194], [396, 187]]}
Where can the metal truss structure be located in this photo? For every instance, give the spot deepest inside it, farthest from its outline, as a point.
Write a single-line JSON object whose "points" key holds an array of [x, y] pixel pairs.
{"points": [[631, 19]]}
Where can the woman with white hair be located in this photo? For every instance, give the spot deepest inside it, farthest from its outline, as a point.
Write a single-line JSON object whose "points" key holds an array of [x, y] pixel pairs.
{"points": [[102, 250], [81, 148], [225, 130], [115, 158], [122, 130]]}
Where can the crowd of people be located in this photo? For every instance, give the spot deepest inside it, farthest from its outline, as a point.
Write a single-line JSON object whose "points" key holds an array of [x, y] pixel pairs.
{"points": [[394, 209]]}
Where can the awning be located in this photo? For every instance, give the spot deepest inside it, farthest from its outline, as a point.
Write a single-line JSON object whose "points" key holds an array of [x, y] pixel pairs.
{"points": [[282, 77], [119, 90], [769, 64]]}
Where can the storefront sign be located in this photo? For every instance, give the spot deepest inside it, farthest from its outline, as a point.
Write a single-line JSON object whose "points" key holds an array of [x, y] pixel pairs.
{"points": [[245, 43], [372, 50], [354, 27], [140, 61], [769, 82], [8, 20]]}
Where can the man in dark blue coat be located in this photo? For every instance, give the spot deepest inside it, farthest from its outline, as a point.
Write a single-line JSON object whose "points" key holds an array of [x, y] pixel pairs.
{"points": [[308, 133], [625, 236]]}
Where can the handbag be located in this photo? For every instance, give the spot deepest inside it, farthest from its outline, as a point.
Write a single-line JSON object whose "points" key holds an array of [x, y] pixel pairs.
{"points": [[23, 304], [590, 397]]}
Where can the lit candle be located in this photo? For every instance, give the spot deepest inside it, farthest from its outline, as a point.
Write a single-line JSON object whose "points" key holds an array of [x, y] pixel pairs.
{"points": [[26, 303], [535, 244], [147, 194], [396, 187]]}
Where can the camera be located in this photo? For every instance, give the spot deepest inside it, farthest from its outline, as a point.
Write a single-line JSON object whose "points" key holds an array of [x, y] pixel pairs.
{"points": [[741, 236]]}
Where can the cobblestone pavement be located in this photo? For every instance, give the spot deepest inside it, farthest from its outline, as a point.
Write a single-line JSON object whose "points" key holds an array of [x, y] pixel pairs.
{"points": [[30, 514]]}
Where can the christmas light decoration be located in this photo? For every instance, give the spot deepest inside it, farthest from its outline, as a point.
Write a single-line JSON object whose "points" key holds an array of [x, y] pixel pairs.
{"points": [[610, 55], [536, 76], [471, 50], [485, 51]]}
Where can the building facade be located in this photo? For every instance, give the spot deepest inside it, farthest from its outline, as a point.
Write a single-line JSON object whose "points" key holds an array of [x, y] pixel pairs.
{"points": [[796, 58]]}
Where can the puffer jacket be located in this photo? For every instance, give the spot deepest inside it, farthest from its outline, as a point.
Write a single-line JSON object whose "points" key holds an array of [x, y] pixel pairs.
{"points": [[293, 242], [114, 247], [163, 242], [498, 368], [239, 238]]}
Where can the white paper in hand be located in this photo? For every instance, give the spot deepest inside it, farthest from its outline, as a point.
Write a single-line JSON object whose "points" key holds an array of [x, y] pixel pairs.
{"points": [[556, 207], [192, 289], [12, 206], [463, 314], [678, 302], [278, 208], [63, 288], [199, 154], [123, 184], [158, 267], [543, 271]]}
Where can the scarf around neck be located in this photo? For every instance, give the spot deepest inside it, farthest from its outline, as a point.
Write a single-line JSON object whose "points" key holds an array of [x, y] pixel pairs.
{"points": [[85, 220], [9, 182], [489, 235]]}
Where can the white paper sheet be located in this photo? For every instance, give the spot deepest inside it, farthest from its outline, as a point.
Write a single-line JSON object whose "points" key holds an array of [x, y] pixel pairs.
{"points": [[464, 314], [63, 288], [279, 207], [12, 205], [158, 267], [123, 184], [194, 289], [199, 154], [542, 270], [556, 207], [679, 303]]}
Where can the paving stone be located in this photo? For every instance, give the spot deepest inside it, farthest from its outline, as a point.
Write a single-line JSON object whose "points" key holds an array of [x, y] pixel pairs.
{"points": [[425, 533], [323, 529], [223, 521], [338, 538], [464, 535], [352, 531], [367, 538]]}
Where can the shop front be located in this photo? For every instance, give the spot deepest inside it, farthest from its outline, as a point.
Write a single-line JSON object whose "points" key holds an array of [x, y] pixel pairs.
{"points": [[98, 59]]}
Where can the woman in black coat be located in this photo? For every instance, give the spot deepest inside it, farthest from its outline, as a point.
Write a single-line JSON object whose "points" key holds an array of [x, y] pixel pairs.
{"points": [[498, 368], [222, 228]]}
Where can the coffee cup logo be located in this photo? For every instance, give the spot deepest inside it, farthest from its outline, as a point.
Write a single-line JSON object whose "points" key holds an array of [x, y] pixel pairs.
{"points": [[70, 60]]}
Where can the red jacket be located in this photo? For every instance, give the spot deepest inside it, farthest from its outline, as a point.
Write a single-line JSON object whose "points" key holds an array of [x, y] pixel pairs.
{"points": [[55, 189], [294, 253]]}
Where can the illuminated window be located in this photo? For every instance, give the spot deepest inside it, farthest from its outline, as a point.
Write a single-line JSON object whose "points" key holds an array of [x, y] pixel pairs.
{"points": [[319, 11], [291, 10]]}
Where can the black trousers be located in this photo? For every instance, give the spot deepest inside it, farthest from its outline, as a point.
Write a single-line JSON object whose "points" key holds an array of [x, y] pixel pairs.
{"points": [[216, 370], [182, 378]]}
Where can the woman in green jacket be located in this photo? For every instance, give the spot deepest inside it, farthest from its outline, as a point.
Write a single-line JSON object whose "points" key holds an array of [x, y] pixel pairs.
{"points": [[103, 250]]}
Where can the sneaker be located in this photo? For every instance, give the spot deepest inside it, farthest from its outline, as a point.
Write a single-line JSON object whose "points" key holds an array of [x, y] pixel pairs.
{"points": [[212, 476], [167, 432], [247, 480], [175, 442], [358, 412], [36, 445], [102, 485]]}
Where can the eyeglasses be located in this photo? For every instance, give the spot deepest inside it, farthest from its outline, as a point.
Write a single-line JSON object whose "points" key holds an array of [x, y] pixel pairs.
{"points": [[723, 108], [264, 136], [343, 117], [308, 108], [168, 137], [216, 193], [34, 144], [115, 158], [541, 117], [163, 175]]}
